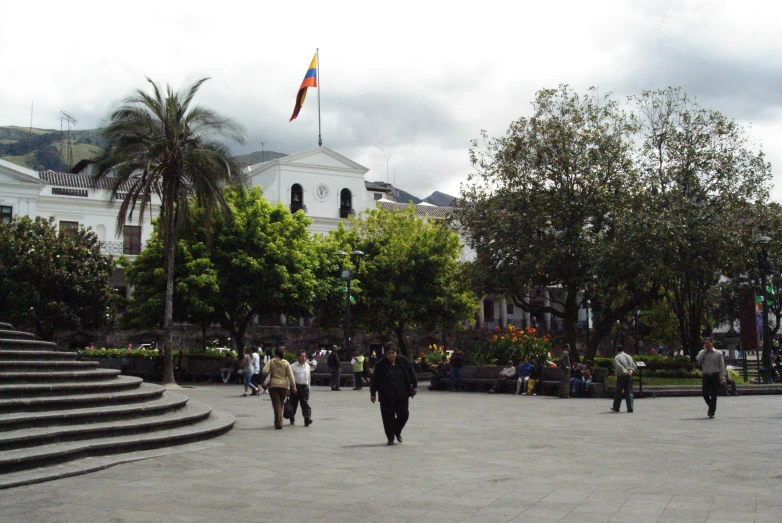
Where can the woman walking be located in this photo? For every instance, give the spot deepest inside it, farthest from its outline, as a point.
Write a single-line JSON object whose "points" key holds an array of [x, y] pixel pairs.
{"points": [[280, 380], [247, 368]]}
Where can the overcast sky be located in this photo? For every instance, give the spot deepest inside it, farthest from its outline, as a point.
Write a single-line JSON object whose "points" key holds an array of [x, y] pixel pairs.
{"points": [[404, 84]]}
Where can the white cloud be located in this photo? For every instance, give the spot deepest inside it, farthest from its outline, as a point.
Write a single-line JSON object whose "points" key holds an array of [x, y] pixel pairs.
{"points": [[414, 79]]}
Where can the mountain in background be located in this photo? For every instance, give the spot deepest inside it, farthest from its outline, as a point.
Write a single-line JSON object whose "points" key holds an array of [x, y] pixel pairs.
{"points": [[258, 157], [440, 199], [42, 149]]}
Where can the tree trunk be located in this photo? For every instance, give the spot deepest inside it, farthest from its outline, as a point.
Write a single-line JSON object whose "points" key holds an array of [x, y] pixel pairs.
{"points": [[168, 317], [400, 339]]}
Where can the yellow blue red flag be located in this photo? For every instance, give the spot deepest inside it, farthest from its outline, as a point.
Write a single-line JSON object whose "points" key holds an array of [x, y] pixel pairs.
{"points": [[310, 80]]}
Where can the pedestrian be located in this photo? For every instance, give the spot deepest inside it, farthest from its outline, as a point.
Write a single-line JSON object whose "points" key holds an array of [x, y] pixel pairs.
{"points": [[280, 381], [506, 374], [624, 366], [358, 370], [302, 375], [524, 371], [247, 368], [333, 363], [227, 369], [255, 379], [457, 370], [395, 383], [714, 374], [312, 362]]}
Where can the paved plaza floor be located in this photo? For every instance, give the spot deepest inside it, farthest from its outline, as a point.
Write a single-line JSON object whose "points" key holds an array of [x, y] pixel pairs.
{"points": [[465, 457]]}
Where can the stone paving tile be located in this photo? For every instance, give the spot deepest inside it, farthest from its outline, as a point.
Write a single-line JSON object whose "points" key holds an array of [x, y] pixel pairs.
{"points": [[481, 459]]}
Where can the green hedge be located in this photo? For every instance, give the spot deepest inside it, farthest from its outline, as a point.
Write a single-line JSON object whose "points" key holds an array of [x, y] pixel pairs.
{"points": [[654, 363], [150, 354]]}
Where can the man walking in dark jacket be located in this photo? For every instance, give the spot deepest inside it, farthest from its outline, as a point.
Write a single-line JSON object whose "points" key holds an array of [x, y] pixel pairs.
{"points": [[333, 363], [395, 381]]}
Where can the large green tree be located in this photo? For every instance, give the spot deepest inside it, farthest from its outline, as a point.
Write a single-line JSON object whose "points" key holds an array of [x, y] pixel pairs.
{"points": [[158, 144], [51, 279], [707, 180], [256, 261], [545, 198], [409, 276]]}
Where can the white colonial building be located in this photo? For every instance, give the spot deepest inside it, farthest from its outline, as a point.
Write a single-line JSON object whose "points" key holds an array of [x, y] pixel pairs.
{"points": [[326, 185]]}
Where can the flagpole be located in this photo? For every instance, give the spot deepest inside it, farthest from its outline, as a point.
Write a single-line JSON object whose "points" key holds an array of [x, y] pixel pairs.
{"points": [[317, 59]]}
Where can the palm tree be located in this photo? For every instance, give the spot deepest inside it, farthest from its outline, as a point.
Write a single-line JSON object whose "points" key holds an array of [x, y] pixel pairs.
{"points": [[161, 145]]}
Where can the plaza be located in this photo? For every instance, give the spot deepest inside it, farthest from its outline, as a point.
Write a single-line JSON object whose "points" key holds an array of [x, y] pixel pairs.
{"points": [[465, 457]]}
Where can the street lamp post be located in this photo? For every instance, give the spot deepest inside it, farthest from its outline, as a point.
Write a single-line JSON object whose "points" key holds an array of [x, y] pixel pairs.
{"points": [[346, 275], [765, 270]]}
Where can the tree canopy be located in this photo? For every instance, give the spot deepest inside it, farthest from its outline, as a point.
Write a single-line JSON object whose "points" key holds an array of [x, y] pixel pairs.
{"points": [[409, 276], [52, 279]]}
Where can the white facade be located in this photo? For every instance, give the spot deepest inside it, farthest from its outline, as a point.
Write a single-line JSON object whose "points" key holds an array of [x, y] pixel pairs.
{"points": [[71, 201], [326, 185]]}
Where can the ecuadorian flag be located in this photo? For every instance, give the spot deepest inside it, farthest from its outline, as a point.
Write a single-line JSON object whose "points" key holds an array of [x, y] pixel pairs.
{"points": [[310, 80]]}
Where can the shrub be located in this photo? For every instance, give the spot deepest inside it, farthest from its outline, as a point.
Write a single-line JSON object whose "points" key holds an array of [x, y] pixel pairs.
{"points": [[506, 344]]}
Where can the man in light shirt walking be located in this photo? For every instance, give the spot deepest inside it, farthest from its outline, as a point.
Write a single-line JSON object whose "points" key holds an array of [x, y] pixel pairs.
{"points": [[624, 367], [714, 374], [302, 377]]}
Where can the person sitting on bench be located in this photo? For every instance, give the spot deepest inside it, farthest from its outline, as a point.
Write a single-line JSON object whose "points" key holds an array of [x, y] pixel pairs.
{"points": [[525, 369], [441, 374], [507, 373]]}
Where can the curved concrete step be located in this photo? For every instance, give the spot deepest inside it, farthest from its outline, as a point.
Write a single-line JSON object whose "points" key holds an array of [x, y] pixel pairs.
{"points": [[145, 407], [37, 436], [15, 335], [45, 365], [11, 344], [65, 375], [6, 326], [11, 390], [137, 393], [37, 355], [47, 455]]}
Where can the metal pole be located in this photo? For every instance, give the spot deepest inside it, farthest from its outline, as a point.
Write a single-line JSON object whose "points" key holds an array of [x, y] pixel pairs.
{"points": [[347, 317], [766, 331], [317, 64]]}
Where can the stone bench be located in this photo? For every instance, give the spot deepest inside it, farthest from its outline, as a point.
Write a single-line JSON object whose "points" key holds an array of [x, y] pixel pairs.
{"points": [[322, 373]]}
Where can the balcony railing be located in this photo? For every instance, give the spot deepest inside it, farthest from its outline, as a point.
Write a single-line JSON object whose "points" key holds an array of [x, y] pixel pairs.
{"points": [[117, 248]]}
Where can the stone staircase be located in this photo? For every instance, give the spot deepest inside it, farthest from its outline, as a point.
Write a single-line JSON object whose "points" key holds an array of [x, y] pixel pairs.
{"points": [[60, 416]]}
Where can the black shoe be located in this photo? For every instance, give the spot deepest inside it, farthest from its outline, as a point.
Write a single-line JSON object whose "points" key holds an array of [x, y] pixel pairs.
{"points": [[399, 438], [293, 421], [630, 411], [615, 410], [307, 422], [390, 441]]}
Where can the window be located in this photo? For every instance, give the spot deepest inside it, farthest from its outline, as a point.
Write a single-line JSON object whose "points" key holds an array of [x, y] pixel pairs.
{"points": [[6, 213], [69, 228], [378, 196], [82, 193], [345, 203], [297, 198], [131, 240], [488, 310], [510, 308]]}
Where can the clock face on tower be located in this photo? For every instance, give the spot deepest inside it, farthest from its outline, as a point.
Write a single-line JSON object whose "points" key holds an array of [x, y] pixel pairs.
{"points": [[321, 192]]}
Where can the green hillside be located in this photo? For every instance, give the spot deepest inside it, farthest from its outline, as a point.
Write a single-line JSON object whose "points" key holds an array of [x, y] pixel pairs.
{"points": [[41, 149]]}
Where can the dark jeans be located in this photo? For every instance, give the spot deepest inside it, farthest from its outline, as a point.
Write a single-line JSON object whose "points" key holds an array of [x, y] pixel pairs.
{"points": [[456, 379], [624, 389], [302, 396], [395, 414], [711, 388], [358, 379], [334, 377], [499, 384]]}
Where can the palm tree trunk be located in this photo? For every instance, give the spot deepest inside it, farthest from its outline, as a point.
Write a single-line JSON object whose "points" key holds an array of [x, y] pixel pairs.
{"points": [[168, 316]]}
